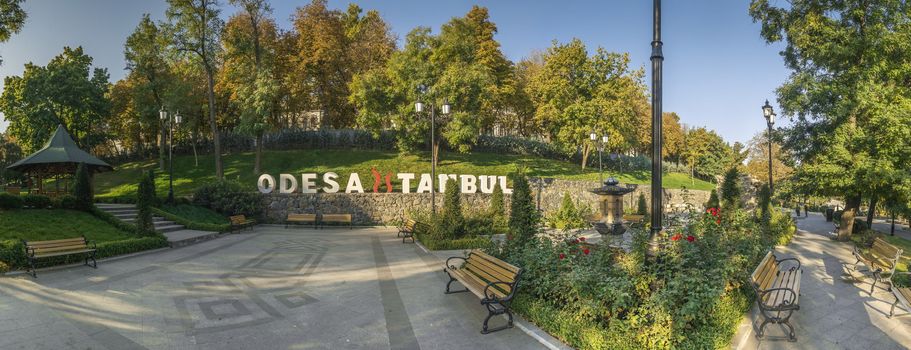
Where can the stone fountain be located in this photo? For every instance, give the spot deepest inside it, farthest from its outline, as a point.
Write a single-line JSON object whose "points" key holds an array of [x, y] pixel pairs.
{"points": [[610, 205]]}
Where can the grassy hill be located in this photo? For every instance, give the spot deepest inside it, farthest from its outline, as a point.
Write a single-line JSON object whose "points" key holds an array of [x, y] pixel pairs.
{"points": [[187, 176]]}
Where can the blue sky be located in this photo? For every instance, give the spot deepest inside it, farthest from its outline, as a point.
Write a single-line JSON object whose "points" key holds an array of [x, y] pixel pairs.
{"points": [[718, 72]]}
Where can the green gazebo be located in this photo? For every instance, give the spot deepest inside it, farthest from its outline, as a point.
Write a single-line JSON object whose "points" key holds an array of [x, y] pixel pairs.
{"points": [[59, 158]]}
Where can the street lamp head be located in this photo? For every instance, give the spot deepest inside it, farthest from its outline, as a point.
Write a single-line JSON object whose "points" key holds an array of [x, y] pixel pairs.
{"points": [[767, 111], [771, 119], [604, 139], [418, 107], [593, 136], [163, 114], [445, 107], [178, 118]]}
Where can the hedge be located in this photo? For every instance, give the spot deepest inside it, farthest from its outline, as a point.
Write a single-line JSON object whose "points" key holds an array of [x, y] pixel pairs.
{"points": [[12, 254], [451, 244], [191, 224]]}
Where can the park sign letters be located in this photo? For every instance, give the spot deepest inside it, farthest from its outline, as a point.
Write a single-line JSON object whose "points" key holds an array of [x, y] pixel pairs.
{"points": [[287, 183]]}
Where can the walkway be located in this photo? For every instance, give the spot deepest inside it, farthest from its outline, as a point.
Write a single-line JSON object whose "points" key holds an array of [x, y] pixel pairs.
{"points": [[274, 288], [834, 313]]}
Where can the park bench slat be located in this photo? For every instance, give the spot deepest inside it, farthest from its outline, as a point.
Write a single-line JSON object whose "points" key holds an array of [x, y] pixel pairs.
{"points": [[881, 260], [66, 252], [56, 241], [39, 251], [492, 280]]}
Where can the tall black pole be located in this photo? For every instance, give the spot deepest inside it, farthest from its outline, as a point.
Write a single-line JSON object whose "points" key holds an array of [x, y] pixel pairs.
{"points": [[657, 60], [600, 166], [771, 185], [170, 159], [433, 161]]}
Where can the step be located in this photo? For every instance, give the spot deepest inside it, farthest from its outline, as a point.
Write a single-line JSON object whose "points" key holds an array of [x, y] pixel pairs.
{"points": [[124, 215], [169, 228], [163, 223], [133, 219], [182, 238], [121, 212], [103, 206]]}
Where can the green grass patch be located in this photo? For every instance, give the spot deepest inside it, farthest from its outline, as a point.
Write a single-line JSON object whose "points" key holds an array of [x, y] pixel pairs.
{"points": [[239, 166], [48, 224]]}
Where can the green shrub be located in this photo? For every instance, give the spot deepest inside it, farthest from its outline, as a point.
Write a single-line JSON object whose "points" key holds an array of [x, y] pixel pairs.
{"points": [[713, 200], [730, 189], [523, 216], [9, 201], [65, 202], [433, 243], [228, 198], [642, 205], [82, 189], [497, 203], [568, 216], [12, 254], [452, 220], [36, 201], [144, 202]]}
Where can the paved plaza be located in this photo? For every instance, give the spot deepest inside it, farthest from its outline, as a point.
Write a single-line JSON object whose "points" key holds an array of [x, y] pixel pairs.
{"points": [[274, 288], [835, 312]]}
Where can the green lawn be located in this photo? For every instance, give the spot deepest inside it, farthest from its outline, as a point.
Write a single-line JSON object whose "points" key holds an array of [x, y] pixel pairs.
{"points": [[47, 224], [240, 167], [195, 214]]}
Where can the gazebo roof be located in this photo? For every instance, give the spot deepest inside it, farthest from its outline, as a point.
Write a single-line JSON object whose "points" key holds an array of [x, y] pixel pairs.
{"points": [[60, 153]]}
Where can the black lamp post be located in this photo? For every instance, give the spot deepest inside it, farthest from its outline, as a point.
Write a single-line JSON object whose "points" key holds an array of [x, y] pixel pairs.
{"points": [[657, 62], [419, 108], [594, 137], [769, 115], [170, 120]]}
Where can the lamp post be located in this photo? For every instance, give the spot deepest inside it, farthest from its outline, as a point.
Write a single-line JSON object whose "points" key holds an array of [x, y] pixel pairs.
{"points": [[444, 109], [594, 137], [769, 115], [170, 120], [657, 59]]}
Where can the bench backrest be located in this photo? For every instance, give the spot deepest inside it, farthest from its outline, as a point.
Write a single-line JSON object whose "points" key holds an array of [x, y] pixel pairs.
{"points": [[238, 219], [14, 190], [307, 217], [886, 254], [765, 273], [490, 269], [409, 224], [57, 245], [337, 217]]}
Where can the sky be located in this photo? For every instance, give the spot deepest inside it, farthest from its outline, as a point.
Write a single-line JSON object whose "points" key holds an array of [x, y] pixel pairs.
{"points": [[717, 69]]}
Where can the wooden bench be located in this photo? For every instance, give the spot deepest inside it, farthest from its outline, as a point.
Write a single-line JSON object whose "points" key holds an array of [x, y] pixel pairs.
{"points": [[336, 218], [880, 260], [492, 280], [35, 250], [407, 230], [13, 190], [777, 292], [902, 294], [241, 222], [300, 218]]}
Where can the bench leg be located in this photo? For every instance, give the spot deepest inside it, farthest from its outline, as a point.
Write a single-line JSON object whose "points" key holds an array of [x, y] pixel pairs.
{"points": [[32, 267], [491, 312], [94, 262], [448, 291], [892, 310], [876, 277], [777, 319]]}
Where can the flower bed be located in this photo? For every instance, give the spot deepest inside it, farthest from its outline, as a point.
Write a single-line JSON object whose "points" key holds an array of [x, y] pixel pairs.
{"points": [[691, 293]]}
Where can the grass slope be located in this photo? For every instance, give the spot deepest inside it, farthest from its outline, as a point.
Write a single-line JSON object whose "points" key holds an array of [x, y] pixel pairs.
{"points": [[196, 214], [188, 177], [47, 224]]}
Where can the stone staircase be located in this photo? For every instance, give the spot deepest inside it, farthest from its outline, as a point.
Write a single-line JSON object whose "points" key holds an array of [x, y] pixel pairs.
{"points": [[128, 213], [177, 235]]}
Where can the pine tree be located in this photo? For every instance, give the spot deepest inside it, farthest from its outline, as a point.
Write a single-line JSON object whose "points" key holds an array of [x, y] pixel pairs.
{"points": [[82, 189], [497, 204], [713, 200], [642, 205], [144, 202], [730, 189], [452, 219], [523, 217]]}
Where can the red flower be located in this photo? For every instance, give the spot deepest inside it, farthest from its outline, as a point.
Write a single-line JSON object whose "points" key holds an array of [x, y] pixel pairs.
{"points": [[562, 256], [582, 239], [586, 251], [676, 237], [718, 221], [690, 238]]}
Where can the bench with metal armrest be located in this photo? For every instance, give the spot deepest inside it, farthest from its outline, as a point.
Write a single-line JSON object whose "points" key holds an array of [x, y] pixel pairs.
{"points": [[492, 280], [35, 250], [777, 292]]}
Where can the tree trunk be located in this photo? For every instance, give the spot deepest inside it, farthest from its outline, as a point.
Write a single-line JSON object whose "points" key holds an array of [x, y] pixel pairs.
{"points": [[195, 155], [585, 153], [216, 139], [257, 164], [852, 203], [872, 210]]}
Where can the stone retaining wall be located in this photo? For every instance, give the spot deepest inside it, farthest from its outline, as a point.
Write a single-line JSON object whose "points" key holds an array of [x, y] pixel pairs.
{"points": [[377, 208]]}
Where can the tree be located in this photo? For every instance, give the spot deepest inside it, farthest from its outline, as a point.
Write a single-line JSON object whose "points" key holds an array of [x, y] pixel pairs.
{"points": [[641, 205], [523, 217], [9, 154], [146, 58], [575, 93], [730, 189], [758, 160], [713, 200], [497, 204], [12, 18], [706, 153], [66, 91], [195, 27], [250, 43], [145, 199], [82, 188], [848, 99], [672, 132], [452, 221]]}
